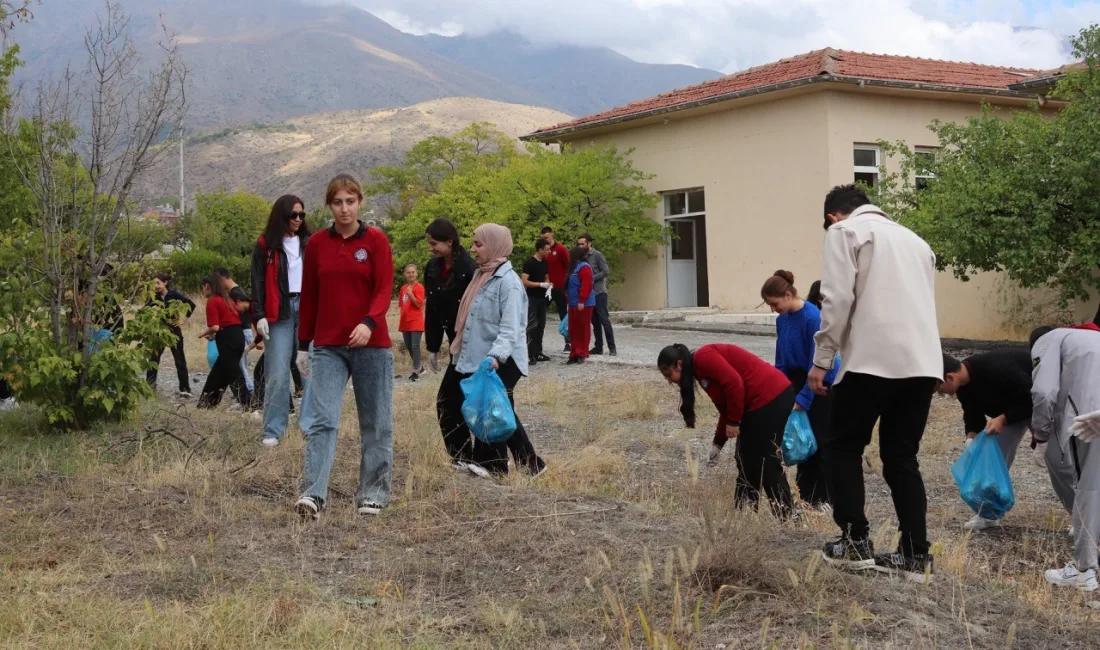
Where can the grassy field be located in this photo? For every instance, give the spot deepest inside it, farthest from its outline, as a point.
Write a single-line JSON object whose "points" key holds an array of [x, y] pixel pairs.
{"points": [[176, 531]]}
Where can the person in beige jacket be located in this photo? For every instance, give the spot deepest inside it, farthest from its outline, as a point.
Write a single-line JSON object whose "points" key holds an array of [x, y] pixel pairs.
{"points": [[879, 314]]}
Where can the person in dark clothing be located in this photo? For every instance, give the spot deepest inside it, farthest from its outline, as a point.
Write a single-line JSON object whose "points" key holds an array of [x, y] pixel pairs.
{"points": [[446, 277], [224, 323], [753, 400], [796, 325], [534, 275], [814, 296], [997, 385], [601, 317], [165, 297], [558, 264]]}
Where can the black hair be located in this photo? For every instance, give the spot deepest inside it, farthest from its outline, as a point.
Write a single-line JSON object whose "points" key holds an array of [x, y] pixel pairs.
{"points": [[278, 221], [546, 229], [444, 230], [950, 364], [541, 243], [586, 237], [1036, 334], [576, 256], [843, 200], [214, 281], [667, 359], [166, 278], [223, 272], [814, 295]]}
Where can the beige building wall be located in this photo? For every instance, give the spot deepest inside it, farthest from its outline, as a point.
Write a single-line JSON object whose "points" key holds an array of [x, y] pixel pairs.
{"points": [[765, 168]]}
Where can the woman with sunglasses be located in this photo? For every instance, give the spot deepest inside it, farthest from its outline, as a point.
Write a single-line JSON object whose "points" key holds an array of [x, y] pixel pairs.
{"points": [[277, 263]]}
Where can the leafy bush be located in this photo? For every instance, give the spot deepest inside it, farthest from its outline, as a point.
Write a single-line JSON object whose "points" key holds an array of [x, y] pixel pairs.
{"points": [[188, 268]]}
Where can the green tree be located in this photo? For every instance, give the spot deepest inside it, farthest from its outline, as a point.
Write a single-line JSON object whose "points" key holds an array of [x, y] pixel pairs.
{"points": [[227, 223], [1018, 194], [593, 189]]}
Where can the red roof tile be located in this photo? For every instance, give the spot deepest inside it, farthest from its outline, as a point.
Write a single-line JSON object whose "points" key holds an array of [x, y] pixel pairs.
{"points": [[839, 63]]}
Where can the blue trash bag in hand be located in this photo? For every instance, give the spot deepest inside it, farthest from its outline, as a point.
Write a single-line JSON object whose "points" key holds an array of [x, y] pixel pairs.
{"points": [[487, 409], [563, 328], [211, 353], [799, 443], [982, 476]]}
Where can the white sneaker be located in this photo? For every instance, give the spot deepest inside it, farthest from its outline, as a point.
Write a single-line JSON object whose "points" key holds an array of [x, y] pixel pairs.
{"points": [[183, 394], [235, 408], [307, 507], [978, 522], [370, 508], [460, 466], [1069, 576], [271, 442], [477, 470], [1072, 531]]}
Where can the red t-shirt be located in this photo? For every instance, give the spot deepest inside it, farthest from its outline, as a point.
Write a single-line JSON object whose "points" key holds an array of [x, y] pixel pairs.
{"points": [[218, 312], [736, 380], [412, 317], [557, 263], [345, 282]]}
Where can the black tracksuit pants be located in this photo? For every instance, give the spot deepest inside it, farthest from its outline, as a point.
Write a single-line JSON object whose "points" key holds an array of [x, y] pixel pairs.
{"points": [[811, 478], [757, 455], [463, 446], [181, 364], [900, 406], [226, 372], [536, 326]]}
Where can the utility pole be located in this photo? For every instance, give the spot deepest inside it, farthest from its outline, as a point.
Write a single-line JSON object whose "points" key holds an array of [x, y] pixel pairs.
{"points": [[182, 200]]}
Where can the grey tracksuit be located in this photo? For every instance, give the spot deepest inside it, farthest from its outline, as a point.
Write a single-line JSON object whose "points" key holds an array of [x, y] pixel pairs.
{"points": [[1065, 383]]}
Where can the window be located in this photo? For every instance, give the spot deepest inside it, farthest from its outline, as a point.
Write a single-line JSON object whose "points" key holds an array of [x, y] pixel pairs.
{"points": [[678, 204], [683, 240], [925, 158], [865, 158]]}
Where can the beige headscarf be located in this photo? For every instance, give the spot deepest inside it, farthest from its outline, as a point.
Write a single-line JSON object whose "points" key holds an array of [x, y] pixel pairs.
{"points": [[497, 246]]}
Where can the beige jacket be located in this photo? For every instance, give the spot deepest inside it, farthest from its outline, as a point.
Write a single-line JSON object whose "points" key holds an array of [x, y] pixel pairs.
{"points": [[879, 312]]}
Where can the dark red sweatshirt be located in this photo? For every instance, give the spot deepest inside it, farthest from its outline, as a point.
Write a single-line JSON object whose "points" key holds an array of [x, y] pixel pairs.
{"points": [[557, 263], [345, 282], [736, 380]]}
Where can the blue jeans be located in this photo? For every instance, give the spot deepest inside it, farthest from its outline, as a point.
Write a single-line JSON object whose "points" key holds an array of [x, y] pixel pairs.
{"points": [[371, 373], [280, 350], [248, 337]]}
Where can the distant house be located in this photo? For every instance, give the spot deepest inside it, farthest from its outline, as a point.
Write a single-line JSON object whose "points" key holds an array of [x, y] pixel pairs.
{"points": [[742, 164], [164, 214]]}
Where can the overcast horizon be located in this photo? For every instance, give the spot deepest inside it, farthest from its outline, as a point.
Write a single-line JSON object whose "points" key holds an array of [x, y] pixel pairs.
{"points": [[731, 35]]}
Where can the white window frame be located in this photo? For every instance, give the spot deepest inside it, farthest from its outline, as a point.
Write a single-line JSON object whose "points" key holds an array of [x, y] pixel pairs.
{"points": [[863, 169], [687, 204], [927, 175]]}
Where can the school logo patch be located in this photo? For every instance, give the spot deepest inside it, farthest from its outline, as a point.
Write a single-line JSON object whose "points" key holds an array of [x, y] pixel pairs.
{"points": [[361, 255]]}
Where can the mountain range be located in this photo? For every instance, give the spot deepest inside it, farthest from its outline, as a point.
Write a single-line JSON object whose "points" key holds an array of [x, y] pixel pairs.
{"points": [[272, 60]]}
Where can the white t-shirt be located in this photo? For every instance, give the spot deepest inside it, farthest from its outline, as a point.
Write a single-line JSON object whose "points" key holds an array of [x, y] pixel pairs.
{"points": [[293, 248]]}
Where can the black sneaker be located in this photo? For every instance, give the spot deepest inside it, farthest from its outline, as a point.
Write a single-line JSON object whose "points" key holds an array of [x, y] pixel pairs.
{"points": [[596, 351], [850, 554], [567, 348], [308, 507], [542, 357], [573, 361], [369, 508], [414, 377], [612, 352], [914, 568]]}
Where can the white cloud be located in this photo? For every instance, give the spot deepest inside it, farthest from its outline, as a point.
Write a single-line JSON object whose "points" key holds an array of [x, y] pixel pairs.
{"points": [[733, 34]]}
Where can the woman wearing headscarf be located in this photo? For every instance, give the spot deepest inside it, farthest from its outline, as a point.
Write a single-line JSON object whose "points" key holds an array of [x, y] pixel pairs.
{"points": [[491, 323]]}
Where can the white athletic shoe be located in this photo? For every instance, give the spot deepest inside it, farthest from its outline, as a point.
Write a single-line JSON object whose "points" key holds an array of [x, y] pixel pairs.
{"points": [[978, 522], [370, 508], [308, 507], [271, 442], [1069, 576], [477, 470]]}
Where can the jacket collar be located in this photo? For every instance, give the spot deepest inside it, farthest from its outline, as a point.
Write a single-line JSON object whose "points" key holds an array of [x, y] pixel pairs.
{"points": [[868, 212], [502, 269], [358, 233]]}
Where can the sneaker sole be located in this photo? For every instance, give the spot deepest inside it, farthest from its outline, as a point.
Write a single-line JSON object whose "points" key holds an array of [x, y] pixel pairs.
{"points": [[307, 511], [918, 578], [369, 510], [849, 565]]}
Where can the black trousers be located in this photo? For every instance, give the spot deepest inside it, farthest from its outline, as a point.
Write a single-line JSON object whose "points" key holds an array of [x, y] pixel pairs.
{"points": [[757, 455], [536, 326], [463, 446], [226, 372], [811, 476], [560, 303], [601, 323], [180, 360], [900, 406]]}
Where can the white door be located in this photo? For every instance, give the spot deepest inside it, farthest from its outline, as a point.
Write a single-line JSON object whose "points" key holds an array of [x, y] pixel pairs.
{"points": [[680, 272]]}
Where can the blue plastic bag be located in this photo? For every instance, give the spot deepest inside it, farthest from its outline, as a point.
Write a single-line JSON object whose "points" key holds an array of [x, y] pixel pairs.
{"points": [[982, 476], [99, 337], [487, 409], [211, 353], [799, 442], [563, 328]]}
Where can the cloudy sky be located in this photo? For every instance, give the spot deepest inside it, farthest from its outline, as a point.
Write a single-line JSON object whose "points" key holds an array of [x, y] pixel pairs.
{"points": [[730, 35]]}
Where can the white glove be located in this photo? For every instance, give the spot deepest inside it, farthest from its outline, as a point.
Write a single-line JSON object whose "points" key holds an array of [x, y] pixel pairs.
{"points": [[545, 285], [433, 361], [712, 457], [263, 328], [549, 293], [302, 361], [1086, 427], [967, 443], [1039, 454]]}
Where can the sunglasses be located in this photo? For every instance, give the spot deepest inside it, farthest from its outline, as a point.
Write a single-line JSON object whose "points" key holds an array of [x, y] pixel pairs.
{"points": [[297, 215]]}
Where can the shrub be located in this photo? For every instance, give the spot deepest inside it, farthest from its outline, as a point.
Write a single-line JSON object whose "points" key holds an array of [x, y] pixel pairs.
{"points": [[188, 268]]}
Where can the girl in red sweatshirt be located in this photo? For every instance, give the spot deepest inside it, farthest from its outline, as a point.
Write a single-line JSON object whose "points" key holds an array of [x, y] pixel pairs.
{"points": [[753, 399], [582, 302]]}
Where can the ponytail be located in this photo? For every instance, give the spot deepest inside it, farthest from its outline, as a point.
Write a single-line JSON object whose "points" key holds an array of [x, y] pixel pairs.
{"points": [[778, 285], [667, 359]]}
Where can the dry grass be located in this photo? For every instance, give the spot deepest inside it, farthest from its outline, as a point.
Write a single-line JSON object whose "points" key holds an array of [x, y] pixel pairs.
{"points": [[122, 539]]}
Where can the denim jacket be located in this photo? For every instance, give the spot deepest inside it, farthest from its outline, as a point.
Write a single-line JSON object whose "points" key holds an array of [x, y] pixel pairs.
{"points": [[497, 324]]}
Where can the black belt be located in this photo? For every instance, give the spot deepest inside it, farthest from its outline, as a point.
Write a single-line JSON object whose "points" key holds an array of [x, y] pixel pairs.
{"points": [[294, 295]]}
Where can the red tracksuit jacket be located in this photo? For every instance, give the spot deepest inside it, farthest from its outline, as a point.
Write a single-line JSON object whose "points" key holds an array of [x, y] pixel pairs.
{"points": [[736, 380]]}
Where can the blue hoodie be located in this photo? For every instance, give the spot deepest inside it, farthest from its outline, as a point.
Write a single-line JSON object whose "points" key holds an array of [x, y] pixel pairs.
{"points": [[794, 347]]}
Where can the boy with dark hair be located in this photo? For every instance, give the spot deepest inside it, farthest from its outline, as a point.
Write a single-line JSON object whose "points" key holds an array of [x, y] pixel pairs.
{"points": [[879, 314], [601, 318], [558, 264], [997, 385], [534, 276]]}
